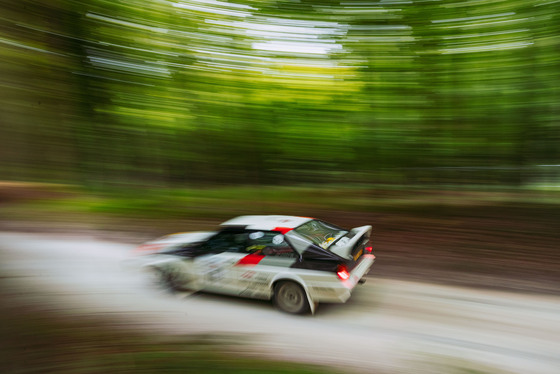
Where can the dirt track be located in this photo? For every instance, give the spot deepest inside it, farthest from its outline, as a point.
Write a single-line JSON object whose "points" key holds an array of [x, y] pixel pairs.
{"points": [[389, 326]]}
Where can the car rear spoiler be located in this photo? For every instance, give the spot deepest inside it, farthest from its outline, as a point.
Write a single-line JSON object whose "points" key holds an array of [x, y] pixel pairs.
{"points": [[344, 247]]}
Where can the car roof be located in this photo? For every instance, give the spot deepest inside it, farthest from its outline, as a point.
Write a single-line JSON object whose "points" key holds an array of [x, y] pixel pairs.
{"points": [[267, 222]]}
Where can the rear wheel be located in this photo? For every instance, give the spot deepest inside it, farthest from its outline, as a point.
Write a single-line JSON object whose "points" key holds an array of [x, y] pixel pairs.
{"points": [[291, 298]]}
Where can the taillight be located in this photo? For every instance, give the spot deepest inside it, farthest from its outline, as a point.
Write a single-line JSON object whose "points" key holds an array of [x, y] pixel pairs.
{"points": [[342, 272], [368, 250]]}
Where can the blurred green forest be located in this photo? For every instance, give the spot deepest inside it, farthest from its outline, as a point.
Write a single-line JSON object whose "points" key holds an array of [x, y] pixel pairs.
{"points": [[276, 92]]}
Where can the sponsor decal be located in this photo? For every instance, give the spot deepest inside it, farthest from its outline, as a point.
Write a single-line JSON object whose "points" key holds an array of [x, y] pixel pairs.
{"points": [[255, 284], [326, 243], [255, 288]]}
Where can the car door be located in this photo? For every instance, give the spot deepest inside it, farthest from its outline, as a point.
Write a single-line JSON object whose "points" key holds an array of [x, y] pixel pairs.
{"points": [[218, 256], [267, 255]]}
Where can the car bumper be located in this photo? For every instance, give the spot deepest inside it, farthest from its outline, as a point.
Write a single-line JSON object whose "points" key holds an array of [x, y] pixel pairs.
{"points": [[335, 290]]}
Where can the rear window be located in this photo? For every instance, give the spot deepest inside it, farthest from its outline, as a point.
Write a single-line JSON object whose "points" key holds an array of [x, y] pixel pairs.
{"points": [[321, 233]]}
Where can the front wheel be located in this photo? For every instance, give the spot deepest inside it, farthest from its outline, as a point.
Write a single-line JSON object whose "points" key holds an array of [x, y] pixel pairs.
{"points": [[291, 298], [160, 279]]}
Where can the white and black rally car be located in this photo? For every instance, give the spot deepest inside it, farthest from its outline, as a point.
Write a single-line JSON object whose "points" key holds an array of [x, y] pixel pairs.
{"points": [[297, 262]]}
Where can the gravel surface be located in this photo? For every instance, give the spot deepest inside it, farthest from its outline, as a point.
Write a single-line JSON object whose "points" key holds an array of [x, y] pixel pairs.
{"points": [[388, 326]]}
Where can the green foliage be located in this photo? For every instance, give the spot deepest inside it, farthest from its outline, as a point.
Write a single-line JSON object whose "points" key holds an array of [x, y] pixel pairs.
{"points": [[153, 93], [167, 210]]}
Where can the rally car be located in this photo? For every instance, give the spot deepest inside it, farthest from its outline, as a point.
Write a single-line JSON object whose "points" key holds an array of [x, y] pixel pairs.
{"points": [[297, 262]]}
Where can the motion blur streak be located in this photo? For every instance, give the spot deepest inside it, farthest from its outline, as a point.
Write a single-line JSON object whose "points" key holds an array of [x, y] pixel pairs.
{"points": [[151, 92], [387, 327], [438, 120]]}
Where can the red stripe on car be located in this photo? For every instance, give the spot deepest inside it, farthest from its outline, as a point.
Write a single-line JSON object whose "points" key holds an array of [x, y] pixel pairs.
{"points": [[282, 230], [251, 259]]}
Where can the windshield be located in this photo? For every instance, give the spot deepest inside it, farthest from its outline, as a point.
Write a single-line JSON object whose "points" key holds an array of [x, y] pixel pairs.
{"points": [[320, 233]]}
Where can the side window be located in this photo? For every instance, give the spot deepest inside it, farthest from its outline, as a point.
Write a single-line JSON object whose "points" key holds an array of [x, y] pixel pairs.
{"points": [[227, 241], [269, 243]]}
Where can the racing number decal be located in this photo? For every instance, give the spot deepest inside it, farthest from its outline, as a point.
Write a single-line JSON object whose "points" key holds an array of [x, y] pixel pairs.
{"points": [[216, 274], [215, 269], [248, 274]]}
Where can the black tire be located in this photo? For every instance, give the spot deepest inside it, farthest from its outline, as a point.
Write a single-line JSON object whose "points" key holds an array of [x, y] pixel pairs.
{"points": [[160, 279], [290, 297]]}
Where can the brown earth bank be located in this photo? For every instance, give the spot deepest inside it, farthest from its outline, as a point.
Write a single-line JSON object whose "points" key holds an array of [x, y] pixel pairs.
{"points": [[515, 249], [510, 246]]}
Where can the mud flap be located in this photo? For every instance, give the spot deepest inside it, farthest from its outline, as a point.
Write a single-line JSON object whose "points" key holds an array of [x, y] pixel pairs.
{"points": [[312, 305]]}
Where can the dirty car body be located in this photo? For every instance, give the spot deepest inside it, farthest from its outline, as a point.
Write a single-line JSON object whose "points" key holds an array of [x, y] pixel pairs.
{"points": [[298, 262]]}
